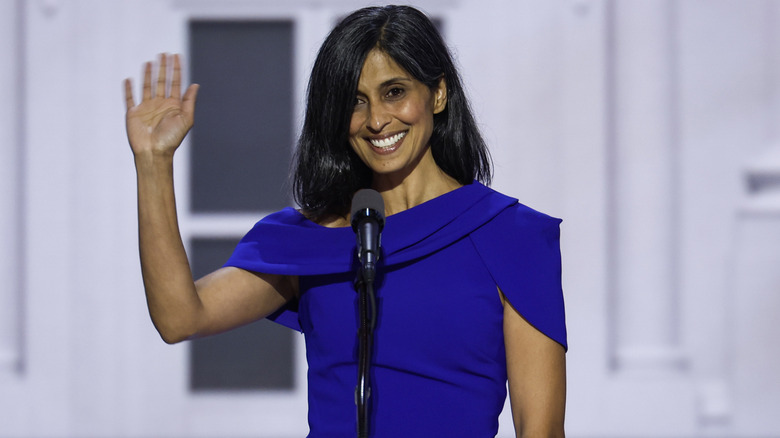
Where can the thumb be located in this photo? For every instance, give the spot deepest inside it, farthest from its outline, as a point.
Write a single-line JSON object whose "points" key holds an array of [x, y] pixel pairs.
{"points": [[188, 100]]}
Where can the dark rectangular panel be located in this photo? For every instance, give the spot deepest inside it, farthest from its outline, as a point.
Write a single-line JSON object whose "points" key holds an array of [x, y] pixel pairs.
{"points": [[243, 134], [255, 357]]}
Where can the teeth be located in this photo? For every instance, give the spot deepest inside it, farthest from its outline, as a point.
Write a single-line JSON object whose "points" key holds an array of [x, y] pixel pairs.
{"points": [[387, 142]]}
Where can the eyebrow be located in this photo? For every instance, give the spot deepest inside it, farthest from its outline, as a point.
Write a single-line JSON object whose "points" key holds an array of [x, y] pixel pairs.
{"points": [[389, 82], [394, 80]]}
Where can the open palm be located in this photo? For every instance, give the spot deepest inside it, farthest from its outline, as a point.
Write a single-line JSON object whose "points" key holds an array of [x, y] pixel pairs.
{"points": [[159, 123]]}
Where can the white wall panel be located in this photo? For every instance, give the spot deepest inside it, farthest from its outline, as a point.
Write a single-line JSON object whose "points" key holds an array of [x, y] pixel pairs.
{"points": [[724, 87], [49, 127], [644, 186], [11, 155]]}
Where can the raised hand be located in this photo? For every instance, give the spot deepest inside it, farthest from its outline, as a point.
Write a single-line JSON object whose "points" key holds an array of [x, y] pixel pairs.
{"points": [[159, 123]]}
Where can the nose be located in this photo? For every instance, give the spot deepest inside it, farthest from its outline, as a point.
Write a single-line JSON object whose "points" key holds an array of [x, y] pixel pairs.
{"points": [[378, 118]]}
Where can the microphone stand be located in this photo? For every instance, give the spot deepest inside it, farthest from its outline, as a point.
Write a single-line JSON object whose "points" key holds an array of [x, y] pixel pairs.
{"points": [[368, 218], [364, 285]]}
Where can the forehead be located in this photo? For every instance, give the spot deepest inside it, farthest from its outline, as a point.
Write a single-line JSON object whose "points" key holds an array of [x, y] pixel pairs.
{"points": [[379, 67]]}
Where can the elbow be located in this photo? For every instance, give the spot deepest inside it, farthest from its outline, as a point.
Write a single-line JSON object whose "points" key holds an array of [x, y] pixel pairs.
{"points": [[174, 326], [171, 339], [173, 334]]}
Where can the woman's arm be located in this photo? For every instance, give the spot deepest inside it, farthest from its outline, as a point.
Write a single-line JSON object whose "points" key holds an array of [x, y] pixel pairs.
{"points": [[536, 368], [179, 307]]}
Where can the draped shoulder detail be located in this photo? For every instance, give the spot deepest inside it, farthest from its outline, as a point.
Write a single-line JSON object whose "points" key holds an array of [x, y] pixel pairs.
{"points": [[521, 249], [287, 243]]}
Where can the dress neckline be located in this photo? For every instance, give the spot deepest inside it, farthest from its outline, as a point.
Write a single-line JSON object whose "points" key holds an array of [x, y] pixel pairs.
{"points": [[450, 198]]}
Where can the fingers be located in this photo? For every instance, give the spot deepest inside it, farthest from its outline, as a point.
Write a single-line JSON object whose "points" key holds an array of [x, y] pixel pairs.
{"points": [[129, 101], [147, 91], [176, 81], [161, 72], [161, 87]]}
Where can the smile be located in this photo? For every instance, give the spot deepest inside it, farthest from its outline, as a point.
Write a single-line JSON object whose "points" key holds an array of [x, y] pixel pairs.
{"points": [[387, 142]]}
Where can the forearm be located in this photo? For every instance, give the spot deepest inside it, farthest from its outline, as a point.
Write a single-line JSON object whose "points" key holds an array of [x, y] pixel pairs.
{"points": [[174, 305]]}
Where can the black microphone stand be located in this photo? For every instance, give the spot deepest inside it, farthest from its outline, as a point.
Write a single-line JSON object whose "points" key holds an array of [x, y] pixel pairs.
{"points": [[364, 284], [368, 218]]}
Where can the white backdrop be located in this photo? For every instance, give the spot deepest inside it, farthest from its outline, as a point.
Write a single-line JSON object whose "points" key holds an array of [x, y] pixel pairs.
{"points": [[650, 127]]}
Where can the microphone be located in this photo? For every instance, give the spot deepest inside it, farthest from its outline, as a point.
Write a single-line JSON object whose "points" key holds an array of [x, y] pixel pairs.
{"points": [[368, 219]]}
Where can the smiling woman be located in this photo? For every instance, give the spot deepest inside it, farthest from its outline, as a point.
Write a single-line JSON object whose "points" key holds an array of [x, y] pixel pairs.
{"points": [[468, 288]]}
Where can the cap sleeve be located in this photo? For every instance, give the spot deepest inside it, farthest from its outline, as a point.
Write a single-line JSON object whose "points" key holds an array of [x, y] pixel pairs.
{"points": [[521, 249]]}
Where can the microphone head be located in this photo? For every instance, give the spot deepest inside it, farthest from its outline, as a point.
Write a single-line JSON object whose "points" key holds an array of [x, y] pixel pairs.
{"points": [[368, 203]]}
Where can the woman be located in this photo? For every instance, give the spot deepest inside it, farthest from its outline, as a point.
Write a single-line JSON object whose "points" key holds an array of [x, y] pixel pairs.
{"points": [[468, 288]]}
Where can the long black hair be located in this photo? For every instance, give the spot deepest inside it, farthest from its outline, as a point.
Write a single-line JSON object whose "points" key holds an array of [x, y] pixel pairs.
{"points": [[327, 171]]}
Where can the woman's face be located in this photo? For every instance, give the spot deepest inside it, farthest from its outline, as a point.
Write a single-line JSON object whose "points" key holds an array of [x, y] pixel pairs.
{"points": [[392, 120]]}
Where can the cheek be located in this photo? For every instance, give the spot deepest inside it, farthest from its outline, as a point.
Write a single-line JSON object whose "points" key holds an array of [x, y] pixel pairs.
{"points": [[355, 124], [354, 138], [413, 113], [354, 129]]}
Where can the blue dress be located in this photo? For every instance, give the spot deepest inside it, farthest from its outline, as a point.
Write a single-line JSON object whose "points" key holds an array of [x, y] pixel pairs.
{"points": [[438, 363]]}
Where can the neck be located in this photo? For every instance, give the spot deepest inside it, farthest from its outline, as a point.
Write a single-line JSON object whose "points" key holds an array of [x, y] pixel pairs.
{"points": [[402, 192]]}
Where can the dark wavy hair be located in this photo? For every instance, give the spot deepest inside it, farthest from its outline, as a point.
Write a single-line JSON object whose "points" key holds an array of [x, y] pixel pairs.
{"points": [[327, 171]]}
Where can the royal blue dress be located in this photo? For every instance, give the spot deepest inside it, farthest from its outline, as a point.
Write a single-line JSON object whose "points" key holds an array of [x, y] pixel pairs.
{"points": [[438, 361]]}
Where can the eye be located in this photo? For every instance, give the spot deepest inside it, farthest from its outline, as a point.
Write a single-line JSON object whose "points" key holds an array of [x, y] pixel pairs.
{"points": [[395, 93], [359, 101]]}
